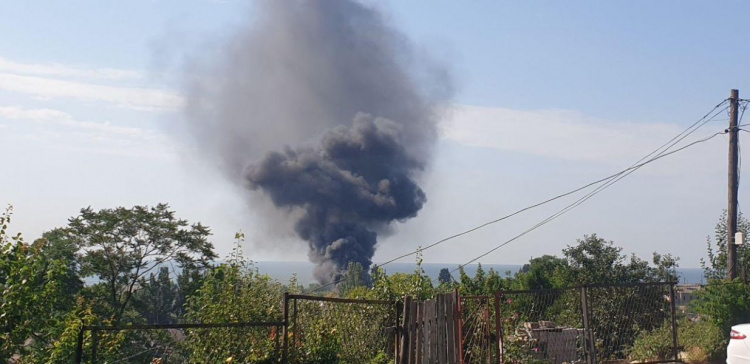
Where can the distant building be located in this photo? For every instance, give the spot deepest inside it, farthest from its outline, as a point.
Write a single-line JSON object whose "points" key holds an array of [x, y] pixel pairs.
{"points": [[684, 294]]}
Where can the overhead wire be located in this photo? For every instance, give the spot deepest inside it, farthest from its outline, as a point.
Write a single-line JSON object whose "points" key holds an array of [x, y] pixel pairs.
{"points": [[582, 200], [560, 195], [614, 177], [743, 107], [660, 153]]}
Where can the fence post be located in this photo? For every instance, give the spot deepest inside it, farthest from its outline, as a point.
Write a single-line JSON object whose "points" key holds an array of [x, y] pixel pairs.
{"points": [[487, 318], [276, 341], [397, 330], [94, 344], [79, 348], [405, 331], [672, 302], [460, 326], [295, 329], [590, 346], [285, 354], [498, 329]]}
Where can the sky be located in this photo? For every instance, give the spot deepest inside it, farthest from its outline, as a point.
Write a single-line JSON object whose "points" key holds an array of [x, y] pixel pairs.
{"points": [[549, 96]]}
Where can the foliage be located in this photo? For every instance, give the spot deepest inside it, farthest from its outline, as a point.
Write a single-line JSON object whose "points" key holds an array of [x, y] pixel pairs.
{"points": [[322, 344], [156, 298], [332, 332], [123, 245], [63, 348], [481, 283], [716, 265], [724, 303], [355, 276], [396, 286], [234, 292], [544, 272], [445, 277], [34, 294], [597, 261], [44, 303], [701, 342]]}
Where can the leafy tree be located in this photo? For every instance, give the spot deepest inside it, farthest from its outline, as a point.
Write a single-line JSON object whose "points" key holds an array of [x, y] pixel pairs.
{"points": [[723, 302], [482, 283], [495, 282], [58, 248], [445, 276], [396, 286], [234, 292], [716, 265], [121, 246], [156, 299], [544, 272], [597, 261], [355, 276], [34, 297]]}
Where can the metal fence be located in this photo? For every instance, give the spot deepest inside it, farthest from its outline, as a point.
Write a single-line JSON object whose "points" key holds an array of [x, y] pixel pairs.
{"points": [[314, 329], [180, 343], [328, 330], [589, 324], [477, 334]]}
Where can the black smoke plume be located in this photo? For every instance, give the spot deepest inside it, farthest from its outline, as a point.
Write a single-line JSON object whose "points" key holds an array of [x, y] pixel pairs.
{"points": [[328, 111]]}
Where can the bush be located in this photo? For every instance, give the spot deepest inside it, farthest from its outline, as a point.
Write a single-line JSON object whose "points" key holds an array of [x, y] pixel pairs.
{"points": [[724, 303], [701, 342]]}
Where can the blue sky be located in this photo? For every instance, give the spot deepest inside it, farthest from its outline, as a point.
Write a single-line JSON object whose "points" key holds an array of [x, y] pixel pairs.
{"points": [[550, 95]]}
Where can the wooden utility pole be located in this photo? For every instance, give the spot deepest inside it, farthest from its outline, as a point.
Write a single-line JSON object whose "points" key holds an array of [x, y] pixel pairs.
{"points": [[733, 185]]}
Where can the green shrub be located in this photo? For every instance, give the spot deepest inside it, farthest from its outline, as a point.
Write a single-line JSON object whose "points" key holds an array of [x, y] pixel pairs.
{"points": [[653, 345], [703, 338], [701, 341]]}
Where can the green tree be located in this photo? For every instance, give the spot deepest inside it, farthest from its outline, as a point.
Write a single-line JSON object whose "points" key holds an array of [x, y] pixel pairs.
{"points": [[156, 298], [617, 313], [121, 246], [723, 302], [58, 248], [355, 276], [544, 272], [34, 297], [597, 261], [495, 282], [396, 286], [716, 265], [234, 292], [445, 276]]}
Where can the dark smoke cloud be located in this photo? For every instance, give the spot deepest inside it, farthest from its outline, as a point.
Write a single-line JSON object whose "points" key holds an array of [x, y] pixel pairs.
{"points": [[328, 111]]}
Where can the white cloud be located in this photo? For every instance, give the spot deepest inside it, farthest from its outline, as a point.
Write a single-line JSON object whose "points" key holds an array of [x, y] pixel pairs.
{"points": [[559, 134], [60, 70], [129, 97], [17, 113], [60, 130]]}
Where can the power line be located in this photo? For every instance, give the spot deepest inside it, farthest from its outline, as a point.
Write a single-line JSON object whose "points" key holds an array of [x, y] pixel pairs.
{"points": [[739, 152], [583, 199], [617, 176], [570, 192], [687, 132]]}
